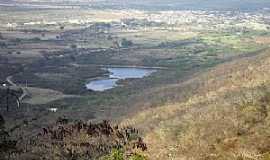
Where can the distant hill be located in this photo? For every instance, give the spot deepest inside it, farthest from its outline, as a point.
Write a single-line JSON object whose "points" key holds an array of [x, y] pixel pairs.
{"points": [[195, 4], [248, 5], [6, 1]]}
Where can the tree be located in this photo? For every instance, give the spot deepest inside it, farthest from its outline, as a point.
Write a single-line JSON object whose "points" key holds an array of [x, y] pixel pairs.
{"points": [[2, 122], [126, 43], [73, 46], [62, 27]]}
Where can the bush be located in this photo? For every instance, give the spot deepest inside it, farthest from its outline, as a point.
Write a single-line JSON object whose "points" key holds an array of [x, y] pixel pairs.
{"points": [[137, 157], [116, 154]]}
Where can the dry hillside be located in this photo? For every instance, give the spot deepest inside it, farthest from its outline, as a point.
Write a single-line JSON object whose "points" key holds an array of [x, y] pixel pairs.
{"points": [[225, 118]]}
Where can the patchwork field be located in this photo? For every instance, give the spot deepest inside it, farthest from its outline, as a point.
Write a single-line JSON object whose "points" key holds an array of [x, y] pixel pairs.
{"points": [[209, 94]]}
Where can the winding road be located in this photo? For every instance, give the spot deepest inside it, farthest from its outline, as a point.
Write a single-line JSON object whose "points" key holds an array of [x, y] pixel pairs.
{"points": [[25, 91]]}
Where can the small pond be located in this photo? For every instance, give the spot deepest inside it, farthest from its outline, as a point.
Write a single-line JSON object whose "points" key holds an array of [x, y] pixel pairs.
{"points": [[116, 74]]}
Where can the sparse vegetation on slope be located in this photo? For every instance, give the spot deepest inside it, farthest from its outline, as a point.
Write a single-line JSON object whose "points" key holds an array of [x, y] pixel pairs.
{"points": [[75, 140], [226, 118]]}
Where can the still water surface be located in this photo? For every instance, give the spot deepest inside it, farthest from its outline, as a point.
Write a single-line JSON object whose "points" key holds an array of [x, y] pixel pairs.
{"points": [[117, 74]]}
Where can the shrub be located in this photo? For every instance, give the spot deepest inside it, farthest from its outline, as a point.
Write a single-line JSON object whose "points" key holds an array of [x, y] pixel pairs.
{"points": [[116, 154], [137, 157]]}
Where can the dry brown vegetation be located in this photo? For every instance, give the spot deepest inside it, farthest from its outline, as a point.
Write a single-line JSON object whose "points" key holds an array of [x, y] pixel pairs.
{"points": [[263, 40], [225, 118], [74, 140]]}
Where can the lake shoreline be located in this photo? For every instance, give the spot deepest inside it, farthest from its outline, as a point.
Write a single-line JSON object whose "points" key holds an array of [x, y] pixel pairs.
{"points": [[132, 66], [116, 74]]}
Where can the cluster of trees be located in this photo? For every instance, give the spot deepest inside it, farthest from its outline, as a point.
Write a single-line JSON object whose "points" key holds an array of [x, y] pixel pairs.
{"points": [[17, 52]]}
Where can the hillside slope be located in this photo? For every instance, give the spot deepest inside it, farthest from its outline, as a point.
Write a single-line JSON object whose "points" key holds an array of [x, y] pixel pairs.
{"points": [[225, 118]]}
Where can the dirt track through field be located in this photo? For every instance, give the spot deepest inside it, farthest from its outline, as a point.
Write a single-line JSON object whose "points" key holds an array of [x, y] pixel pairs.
{"points": [[25, 92]]}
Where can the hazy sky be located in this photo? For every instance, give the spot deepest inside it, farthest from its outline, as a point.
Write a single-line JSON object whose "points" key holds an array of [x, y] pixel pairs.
{"points": [[168, 4]]}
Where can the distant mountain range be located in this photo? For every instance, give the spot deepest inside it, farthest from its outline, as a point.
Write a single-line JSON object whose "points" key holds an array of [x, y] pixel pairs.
{"points": [[160, 4], [195, 4]]}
